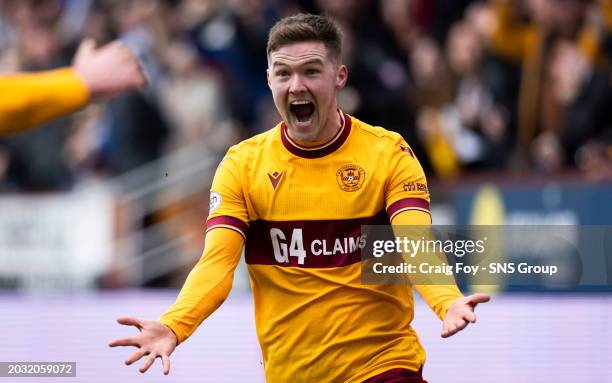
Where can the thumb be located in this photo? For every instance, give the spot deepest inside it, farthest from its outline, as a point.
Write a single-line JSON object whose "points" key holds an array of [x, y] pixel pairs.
{"points": [[86, 48]]}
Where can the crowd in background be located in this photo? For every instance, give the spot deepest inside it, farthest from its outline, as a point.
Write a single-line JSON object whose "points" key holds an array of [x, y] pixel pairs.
{"points": [[513, 85], [495, 87]]}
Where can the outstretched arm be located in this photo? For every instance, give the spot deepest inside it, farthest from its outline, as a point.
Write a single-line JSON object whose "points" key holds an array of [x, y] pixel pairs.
{"points": [[455, 310], [206, 287], [31, 99]]}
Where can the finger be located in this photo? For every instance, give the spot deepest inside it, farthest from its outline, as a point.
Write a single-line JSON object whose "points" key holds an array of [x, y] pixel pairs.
{"points": [[452, 331], [124, 342], [148, 362], [448, 331], [460, 325], [454, 328], [130, 321], [136, 356], [470, 317], [166, 364], [478, 298], [86, 48]]}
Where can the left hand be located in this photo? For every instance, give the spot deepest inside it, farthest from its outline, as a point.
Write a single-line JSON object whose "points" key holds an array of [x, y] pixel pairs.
{"points": [[460, 313]]}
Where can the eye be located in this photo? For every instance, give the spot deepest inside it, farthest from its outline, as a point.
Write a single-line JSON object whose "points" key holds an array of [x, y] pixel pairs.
{"points": [[311, 71], [282, 73]]}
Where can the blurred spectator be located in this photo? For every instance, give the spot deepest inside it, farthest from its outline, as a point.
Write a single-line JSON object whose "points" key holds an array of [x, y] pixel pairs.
{"points": [[193, 98], [232, 38], [432, 90], [585, 135], [478, 125], [378, 79], [442, 73], [559, 44], [442, 14]]}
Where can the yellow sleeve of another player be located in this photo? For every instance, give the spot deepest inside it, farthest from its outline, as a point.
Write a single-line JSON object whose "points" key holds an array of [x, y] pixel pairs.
{"points": [[207, 285], [438, 297], [31, 99]]}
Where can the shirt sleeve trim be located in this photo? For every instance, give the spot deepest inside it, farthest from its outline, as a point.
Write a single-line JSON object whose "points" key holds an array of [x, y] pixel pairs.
{"points": [[407, 204], [227, 222]]}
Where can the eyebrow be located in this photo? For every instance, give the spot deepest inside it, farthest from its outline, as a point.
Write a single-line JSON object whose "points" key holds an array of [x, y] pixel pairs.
{"points": [[309, 62]]}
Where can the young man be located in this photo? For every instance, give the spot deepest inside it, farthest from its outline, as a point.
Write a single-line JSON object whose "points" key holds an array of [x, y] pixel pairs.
{"points": [[314, 178], [31, 99]]}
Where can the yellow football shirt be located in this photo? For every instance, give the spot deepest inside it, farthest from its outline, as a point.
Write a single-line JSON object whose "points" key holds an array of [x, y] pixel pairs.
{"points": [[300, 210]]}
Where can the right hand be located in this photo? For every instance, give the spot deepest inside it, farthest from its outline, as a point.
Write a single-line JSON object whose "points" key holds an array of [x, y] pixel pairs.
{"points": [[155, 340], [109, 70]]}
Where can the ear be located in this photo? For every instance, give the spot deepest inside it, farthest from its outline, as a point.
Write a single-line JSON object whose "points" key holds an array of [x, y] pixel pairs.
{"points": [[341, 76], [268, 78]]}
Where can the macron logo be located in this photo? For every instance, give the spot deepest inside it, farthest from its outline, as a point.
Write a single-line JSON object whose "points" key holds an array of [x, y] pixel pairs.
{"points": [[275, 178]]}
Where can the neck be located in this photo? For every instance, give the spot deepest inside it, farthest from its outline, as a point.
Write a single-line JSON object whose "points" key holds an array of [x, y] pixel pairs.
{"points": [[331, 129]]}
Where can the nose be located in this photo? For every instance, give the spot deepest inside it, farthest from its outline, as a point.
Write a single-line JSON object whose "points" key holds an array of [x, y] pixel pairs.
{"points": [[297, 84]]}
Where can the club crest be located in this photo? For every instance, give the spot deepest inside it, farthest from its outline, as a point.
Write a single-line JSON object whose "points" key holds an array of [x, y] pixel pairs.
{"points": [[350, 177]]}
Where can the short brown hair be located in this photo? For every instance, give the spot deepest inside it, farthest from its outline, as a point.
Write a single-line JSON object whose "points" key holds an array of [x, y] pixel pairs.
{"points": [[306, 27]]}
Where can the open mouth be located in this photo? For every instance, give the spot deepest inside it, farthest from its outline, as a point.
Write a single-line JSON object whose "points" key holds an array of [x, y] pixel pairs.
{"points": [[302, 110]]}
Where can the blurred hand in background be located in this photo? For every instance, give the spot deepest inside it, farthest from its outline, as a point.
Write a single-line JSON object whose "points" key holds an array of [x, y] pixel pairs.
{"points": [[108, 70]]}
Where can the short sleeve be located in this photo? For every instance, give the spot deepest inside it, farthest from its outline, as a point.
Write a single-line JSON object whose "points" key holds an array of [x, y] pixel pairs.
{"points": [[227, 204], [406, 186]]}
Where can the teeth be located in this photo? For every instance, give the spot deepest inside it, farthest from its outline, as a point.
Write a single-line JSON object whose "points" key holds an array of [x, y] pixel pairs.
{"points": [[300, 102]]}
